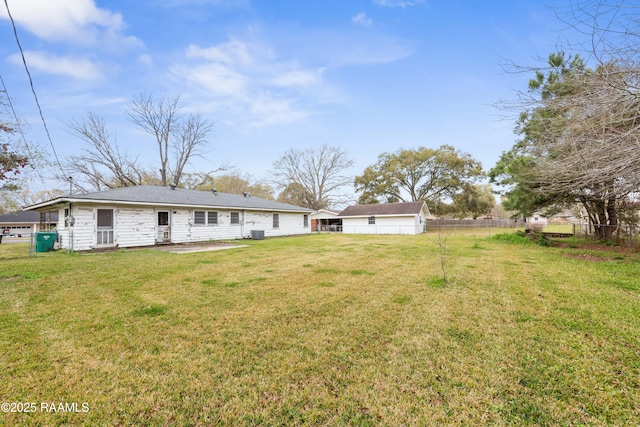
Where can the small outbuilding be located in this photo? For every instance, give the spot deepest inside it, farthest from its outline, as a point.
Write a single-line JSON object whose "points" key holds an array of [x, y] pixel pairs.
{"points": [[326, 220], [385, 218], [150, 215]]}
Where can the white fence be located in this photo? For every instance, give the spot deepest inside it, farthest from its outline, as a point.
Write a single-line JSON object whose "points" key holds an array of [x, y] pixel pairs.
{"points": [[383, 229]]}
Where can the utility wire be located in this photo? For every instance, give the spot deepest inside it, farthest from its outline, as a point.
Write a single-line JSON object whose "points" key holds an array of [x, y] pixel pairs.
{"points": [[24, 61], [24, 139]]}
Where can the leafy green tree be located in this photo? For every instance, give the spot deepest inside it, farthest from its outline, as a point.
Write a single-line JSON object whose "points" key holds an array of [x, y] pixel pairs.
{"points": [[295, 194], [473, 201], [417, 174]]}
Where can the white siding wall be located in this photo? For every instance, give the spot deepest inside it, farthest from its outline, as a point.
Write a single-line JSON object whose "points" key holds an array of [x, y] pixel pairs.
{"points": [[289, 224], [183, 230], [83, 233], [383, 225], [136, 226]]}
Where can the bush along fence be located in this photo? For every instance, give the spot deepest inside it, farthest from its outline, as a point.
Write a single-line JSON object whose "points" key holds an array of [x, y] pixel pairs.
{"points": [[622, 233]]}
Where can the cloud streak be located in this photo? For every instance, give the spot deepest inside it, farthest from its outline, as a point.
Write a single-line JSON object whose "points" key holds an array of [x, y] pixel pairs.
{"points": [[398, 3], [362, 19], [75, 67], [77, 22]]}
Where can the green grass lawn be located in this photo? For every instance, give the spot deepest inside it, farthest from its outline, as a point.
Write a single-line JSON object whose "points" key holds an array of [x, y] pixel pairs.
{"points": [[324, 330]]}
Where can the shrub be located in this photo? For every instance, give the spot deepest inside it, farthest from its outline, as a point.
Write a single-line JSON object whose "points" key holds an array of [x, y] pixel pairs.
{"points": [[519, 237]]}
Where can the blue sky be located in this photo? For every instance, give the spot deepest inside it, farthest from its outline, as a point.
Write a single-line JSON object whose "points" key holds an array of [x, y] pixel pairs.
{"points": [[370, 76]]}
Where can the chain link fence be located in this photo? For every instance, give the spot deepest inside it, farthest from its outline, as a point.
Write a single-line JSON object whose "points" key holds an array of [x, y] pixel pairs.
{"points": [[621, 234], [475, 227]]}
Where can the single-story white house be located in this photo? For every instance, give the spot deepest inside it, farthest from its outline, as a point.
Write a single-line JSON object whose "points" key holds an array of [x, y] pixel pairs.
{"points": [[150, 215], [385, 218], [27, 222]]}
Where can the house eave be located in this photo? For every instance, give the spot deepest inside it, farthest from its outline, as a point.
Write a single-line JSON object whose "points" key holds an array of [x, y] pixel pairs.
{"points": [[379, 216], [66, 200]]}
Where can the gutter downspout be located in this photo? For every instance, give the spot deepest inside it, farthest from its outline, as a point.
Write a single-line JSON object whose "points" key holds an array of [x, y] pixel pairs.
{"points": [[244, 215]]}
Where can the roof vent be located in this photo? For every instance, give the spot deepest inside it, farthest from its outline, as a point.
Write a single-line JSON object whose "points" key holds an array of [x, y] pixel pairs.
{"points": [[214, 191], [245, 194], [173, 186]]}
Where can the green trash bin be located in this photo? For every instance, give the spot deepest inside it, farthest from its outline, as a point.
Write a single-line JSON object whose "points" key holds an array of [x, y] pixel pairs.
{"points": [[45, 241]]}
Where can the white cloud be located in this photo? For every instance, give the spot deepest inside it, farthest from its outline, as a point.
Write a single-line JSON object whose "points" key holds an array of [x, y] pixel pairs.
{"points": [[247, 79], [383, 52], [252, 84], [230, 53], [146, 60], [226, 4], [268, 111], [397, 3], [216, 79], [362, 19], [297, 78], [75, 21], [78, 68]]}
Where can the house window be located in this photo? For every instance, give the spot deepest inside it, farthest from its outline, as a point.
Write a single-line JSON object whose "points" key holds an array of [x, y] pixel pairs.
{"points": [[235, 217], [199, 217], [372, 220], [163, 218], [205, 217], [305, 221], [212, 218], [276, 220]]}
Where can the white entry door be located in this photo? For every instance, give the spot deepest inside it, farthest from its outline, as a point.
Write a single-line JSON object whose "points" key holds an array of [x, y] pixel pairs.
{"points": [[163, 226]]}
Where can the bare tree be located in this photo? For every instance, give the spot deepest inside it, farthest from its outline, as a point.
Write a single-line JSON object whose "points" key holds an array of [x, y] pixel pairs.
{"points": [[156, 118], [101, 164], [179, 138], [596, 159], [188, 143], [317, 173], [610, 29], [580, 143]]}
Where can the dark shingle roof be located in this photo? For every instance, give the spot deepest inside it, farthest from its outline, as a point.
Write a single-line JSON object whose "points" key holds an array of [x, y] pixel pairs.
{"points": [[27, 217], [405, 208], [166, 196]]}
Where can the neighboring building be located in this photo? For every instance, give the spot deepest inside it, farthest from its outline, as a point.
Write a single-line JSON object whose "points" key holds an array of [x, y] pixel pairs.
{"points": [[326, 220], [22, 223], [563, 218], [150, 215], [537, 219], [385, 218]]}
